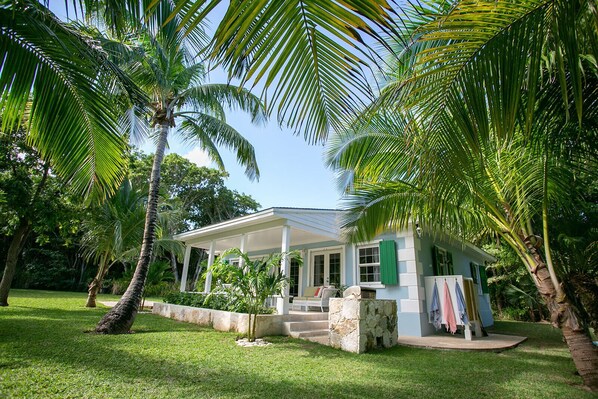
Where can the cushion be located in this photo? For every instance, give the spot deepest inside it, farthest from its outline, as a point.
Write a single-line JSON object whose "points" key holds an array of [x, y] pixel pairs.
{"points": [[312, 292]]}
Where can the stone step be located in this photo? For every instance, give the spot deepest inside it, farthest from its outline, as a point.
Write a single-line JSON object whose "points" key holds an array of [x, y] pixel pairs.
{"points": [[308, 334], [323, 340], [312, 316], [297, 326], [312, 334]]}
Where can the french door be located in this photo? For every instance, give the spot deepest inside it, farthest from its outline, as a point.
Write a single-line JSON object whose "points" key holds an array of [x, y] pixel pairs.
{"points": [[326, 268]]}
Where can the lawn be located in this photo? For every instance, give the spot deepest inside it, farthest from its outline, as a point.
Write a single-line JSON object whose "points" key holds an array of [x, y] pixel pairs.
{"points": [[45, 352]]}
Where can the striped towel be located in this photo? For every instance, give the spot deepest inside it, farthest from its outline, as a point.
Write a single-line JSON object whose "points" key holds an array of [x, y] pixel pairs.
{"points": [[449, 311]]}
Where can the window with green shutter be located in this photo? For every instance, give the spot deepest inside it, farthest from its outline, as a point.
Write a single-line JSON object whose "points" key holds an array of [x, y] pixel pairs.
{"points": [[483, 279], [442, 262], [474, 272], [449, 264], [388, 262]]}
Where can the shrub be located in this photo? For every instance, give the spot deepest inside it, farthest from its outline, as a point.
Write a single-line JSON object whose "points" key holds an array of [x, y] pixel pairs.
{"points": [[160, 289], [220, 299]]}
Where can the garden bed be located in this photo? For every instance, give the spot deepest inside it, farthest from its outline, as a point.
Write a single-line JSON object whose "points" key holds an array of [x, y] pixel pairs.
{"points": [[267, 324]]}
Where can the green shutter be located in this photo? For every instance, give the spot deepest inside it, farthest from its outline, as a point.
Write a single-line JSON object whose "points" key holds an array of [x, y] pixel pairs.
{"points": [[474, 273], [483, 279], [388, 262], [449, 264], [435, 260]]}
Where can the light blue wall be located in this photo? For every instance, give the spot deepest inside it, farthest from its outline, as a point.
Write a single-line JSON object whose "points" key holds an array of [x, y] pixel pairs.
{"points": [[410, 324]]}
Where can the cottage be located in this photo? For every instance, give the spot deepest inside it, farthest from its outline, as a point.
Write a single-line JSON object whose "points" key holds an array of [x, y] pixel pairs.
{"points": [[397, 265]]}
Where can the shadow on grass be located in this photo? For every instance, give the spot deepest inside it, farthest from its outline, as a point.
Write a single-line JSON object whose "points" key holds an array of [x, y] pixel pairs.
{"points": [[188, 360]]}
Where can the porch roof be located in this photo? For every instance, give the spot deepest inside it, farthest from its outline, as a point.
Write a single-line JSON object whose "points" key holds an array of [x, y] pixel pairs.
{"points": [[262, 230]]}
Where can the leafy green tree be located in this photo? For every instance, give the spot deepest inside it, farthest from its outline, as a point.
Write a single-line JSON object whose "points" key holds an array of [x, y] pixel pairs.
{"points": [[172, 79], [574, 242], [253, 281], [512, 289], [35, 207], [200, 192]]}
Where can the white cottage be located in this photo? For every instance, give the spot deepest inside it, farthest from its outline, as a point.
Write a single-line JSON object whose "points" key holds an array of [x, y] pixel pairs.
{"points": [[397, 265]]}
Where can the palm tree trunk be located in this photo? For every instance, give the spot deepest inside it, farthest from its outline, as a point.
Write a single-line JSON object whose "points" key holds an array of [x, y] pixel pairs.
{"points": [[96, 283], [563, 316], [198, 270], [121, 317], [173, 266], [12, 257], [254, 326]]}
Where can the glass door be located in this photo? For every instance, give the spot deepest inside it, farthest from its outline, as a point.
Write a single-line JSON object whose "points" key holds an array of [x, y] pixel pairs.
{"points": [[326, 268]]}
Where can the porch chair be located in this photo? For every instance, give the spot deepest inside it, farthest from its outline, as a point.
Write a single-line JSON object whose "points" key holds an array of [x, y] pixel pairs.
{"points": [[321, 301]]}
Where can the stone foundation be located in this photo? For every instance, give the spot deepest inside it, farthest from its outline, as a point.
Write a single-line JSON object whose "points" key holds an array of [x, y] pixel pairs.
{"points": [[359, 325], [219, 319]]}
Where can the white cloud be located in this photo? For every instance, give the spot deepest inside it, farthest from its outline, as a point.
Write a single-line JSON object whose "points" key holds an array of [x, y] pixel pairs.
{"points": [[198, 157]]}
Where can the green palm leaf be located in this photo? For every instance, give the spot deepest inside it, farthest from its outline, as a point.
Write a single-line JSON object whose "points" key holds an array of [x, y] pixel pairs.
{"points": [[70, 115], [310, 52], [210, 133]]}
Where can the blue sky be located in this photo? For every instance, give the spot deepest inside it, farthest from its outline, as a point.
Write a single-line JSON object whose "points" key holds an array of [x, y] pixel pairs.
{"points": [[292, 173]]}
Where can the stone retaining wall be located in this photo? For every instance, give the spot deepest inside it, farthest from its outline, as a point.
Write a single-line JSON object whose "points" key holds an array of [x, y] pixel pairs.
{"points": [[219, 319], [358, 325]]}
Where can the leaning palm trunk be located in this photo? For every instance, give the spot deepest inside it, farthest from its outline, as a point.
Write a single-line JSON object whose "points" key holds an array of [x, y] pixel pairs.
{"points": [[121, 317], [563, 316], [11, 259], [96, 283]]}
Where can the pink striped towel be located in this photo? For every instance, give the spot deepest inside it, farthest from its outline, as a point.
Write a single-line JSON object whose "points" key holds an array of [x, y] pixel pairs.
{"points": [[449, 311]]}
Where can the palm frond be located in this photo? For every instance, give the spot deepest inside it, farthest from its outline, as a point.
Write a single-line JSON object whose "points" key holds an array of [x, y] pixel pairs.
{"points": [[312, 53], [211, 133], [70, 116]]}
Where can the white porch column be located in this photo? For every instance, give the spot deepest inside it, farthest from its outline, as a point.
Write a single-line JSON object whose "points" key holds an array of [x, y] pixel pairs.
{"points": [[282, 304], [242, 249], [208, 285], [185, 268]]}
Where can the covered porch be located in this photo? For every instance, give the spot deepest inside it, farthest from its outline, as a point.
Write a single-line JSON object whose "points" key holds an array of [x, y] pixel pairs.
{"points": [[268, 231]]}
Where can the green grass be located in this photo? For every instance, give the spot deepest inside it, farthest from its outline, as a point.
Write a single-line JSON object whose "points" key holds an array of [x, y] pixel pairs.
{"points": [[45, 353]]}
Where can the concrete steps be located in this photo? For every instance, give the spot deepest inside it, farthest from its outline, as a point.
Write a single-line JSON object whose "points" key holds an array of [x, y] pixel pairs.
{"points": [[309, 326], [311, 316]]}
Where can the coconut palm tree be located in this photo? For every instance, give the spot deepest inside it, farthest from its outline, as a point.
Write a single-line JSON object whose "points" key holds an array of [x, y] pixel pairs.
{"points": [[312, 57], [398, 170], [474, 131], [173, 80], [449, 171], [487, 52]]}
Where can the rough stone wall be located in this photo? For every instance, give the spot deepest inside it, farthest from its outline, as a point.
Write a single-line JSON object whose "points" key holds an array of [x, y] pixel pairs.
{"points": [[359, 325], [220, 320]]}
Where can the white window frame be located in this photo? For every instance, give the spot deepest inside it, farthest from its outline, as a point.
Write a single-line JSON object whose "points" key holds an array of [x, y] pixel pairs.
{"points": [[376, 284], [445, 265]]}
